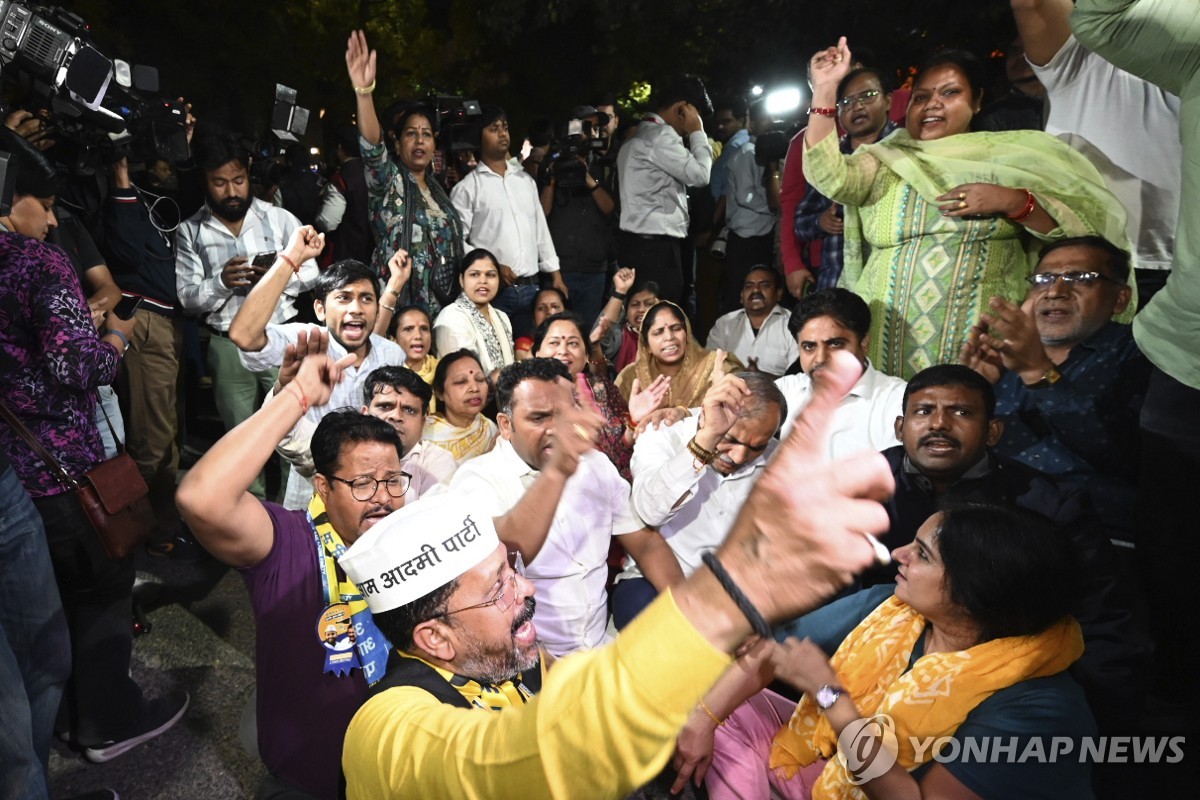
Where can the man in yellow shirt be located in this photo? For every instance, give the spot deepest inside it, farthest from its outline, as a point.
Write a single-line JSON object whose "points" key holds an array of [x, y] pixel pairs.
{"points": [[605, 720]]}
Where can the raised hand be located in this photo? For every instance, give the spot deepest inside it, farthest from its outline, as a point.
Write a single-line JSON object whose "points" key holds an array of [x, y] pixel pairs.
{"points": [[400, 268], [360, 60], [318, 375], [305, 243], [643, 402], [623, 280], [800, 535], [722, 405], [830, 65], [979, 357], [576, 430], [1011, 332], [313, 342]]}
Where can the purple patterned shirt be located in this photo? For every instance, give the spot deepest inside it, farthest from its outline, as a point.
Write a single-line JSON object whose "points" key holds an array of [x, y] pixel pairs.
{"points": [[52, 361]]}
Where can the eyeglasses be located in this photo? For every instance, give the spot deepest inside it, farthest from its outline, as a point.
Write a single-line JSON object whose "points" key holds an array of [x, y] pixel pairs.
{"points": [[863, 98], [1044, 280], [363, 488], [508, 589]]}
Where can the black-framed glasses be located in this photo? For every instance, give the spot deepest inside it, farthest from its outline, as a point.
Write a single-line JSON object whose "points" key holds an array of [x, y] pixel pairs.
{"points": [[863, 98], [507, 596], [1044, 280], [364, 488]]}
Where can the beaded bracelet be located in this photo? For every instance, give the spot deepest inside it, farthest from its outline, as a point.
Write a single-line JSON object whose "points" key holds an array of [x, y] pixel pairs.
{"points": [[757, 622]]}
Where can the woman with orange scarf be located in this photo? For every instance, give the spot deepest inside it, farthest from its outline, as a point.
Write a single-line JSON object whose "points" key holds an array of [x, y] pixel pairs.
{"points": [[969, 652]]}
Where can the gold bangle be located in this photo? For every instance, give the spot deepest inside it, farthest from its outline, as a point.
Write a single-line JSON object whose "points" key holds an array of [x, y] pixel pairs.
{"points": [[365, 89], [708, 711], [687, 412]]}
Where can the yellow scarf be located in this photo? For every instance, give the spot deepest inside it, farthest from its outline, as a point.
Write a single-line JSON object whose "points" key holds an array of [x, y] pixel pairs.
{"points": [[931, 699]]}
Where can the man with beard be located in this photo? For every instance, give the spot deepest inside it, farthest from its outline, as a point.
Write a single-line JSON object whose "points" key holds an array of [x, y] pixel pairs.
{"points": [[692, 477], [757, 333], [567, 562], [864, 97], [948, 432], [306, 693], [823, 323], [346, 300], [215, 270], [1069, 381]]}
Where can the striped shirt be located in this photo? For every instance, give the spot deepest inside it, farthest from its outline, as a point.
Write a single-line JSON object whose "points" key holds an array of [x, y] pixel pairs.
{"points": [[205, 245]]}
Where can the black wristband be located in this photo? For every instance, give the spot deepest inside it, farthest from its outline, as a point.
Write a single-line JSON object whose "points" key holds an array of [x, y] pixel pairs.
{"points": [[756, 620], [594, 188], [618, 295]]}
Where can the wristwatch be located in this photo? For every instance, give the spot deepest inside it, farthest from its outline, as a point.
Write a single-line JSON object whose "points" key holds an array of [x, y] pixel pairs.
{"points": [[827, 695], [1049, 378]]}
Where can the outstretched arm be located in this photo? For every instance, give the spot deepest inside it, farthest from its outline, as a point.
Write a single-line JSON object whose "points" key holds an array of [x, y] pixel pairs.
{"points": [[1044, 26], [249, 327]]}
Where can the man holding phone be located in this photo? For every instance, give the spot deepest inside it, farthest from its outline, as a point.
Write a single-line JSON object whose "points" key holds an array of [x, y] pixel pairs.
{"points": [[216, 269]]}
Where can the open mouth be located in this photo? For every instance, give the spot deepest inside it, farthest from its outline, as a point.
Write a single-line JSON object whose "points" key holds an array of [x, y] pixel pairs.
{"points": [[939, 446], [353, 328], [375, 515]]}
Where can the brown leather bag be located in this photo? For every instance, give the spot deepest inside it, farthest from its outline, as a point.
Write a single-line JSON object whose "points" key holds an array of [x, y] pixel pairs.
{"points": [[112, 494]]}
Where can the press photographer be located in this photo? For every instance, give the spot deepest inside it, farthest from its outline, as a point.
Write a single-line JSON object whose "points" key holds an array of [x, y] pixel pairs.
{"points": [[579, 210]]}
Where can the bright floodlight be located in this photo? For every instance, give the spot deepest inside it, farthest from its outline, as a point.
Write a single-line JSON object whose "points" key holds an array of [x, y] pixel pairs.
{"points": [[781, 102], [314, 151], [756, 90]]}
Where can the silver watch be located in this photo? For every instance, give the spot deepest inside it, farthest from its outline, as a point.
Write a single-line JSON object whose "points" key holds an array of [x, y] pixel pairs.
{"points": [[827, 695]]}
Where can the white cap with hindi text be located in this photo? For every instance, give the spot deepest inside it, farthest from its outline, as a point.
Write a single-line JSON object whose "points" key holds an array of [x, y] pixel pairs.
{"points": [[418, 549]]}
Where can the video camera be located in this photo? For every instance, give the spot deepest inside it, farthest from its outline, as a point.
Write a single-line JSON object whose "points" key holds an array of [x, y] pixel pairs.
{"points": [[100, 106], [288, 124], [453, 121], [583, 138]]}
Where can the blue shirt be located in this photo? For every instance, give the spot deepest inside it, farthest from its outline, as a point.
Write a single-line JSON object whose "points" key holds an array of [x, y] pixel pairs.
{"points": [[716, 180], [1083, 429]]}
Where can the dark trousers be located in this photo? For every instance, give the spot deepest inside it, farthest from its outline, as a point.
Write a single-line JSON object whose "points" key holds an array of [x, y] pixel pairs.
{"points": [[587, 294], [103, 702], [629, 597], [1168, 545], [655, 258], [742, 254]]}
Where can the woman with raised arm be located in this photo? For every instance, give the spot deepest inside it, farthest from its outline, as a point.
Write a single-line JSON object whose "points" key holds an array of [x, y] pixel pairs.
{"points": [[410, 210], [949, 217]]}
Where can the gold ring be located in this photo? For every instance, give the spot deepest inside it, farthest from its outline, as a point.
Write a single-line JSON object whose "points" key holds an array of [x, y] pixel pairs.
{"points": [[962, 195], [962, 203], [582, 432]]}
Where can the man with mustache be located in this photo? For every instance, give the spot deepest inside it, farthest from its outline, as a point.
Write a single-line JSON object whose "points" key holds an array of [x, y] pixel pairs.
{"points": [[501, 211], [1069, 380], [306, 693], [824, 323], [589, 505], [214, 270], [757, 333], [948, 431]]}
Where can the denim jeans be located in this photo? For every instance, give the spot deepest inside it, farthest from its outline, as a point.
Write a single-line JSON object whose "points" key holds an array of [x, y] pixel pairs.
{"points": [[517, 302], [35, 651], [587, 294], [103, 702]]}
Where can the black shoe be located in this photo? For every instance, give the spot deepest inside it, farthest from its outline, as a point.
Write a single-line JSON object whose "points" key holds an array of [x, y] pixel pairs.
{"points": [[98, 794], [177, 543], [161, 713]]}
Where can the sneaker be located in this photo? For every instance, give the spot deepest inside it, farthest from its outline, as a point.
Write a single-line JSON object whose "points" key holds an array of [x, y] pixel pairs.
{"points": [[161, 714]]}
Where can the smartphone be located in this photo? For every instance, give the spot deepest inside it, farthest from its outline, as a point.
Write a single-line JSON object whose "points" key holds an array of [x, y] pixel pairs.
{"points": [[127, 306], [264, 260]]}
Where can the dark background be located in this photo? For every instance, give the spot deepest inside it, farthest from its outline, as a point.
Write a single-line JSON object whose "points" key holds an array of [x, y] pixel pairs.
{"points": [[534, 57]]}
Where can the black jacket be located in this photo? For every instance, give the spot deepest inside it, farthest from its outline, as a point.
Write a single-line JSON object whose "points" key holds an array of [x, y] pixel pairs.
{"points": [[139, 256]]}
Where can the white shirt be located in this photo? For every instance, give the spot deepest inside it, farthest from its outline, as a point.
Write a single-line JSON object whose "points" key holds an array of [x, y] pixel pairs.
{"points": [[429, 466], [746, 210], [663, 473], [347, 393], [455, 329], [204, 245], [654, 171], [571, 568], [774, 347], [866, 419], [1128, 128], [503, 213]]}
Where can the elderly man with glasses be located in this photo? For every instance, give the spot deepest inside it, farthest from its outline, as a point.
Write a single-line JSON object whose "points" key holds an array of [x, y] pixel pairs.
{"points": [[1069, 380]]}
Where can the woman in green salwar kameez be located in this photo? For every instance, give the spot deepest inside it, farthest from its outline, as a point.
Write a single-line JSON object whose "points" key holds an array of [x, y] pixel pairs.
{"points": [[939, 219]]}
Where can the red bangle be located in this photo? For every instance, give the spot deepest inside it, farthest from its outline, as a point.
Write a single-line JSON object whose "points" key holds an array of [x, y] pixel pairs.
{"points": [[303, 398], [822, 112], [1030, 205], [295, 267]]}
